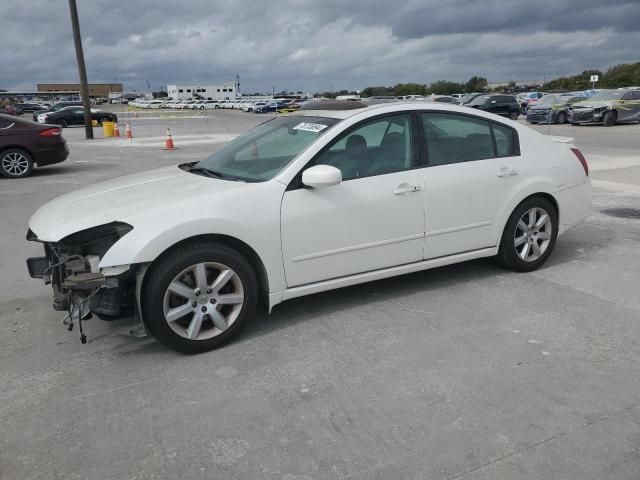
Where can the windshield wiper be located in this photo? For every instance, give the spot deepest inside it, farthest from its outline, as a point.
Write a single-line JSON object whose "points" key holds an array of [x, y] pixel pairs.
{"points": [[208, 172]]}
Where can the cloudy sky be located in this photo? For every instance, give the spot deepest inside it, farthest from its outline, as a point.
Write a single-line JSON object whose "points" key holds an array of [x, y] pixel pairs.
{"points": [[311, 45]]}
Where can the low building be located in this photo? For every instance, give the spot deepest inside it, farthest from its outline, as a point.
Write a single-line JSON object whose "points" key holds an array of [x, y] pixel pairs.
{"points": [[95, 89], [226, 91]]}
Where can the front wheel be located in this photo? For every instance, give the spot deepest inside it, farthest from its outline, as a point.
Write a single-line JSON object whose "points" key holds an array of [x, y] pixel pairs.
{"points": [[62, 122], [609, 119], [514, 115], [102, 120], [561, 118], [529, 236], [199, 297]]}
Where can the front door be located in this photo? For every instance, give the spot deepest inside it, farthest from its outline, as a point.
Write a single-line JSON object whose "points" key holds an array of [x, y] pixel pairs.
{"points": [[372, 220], [473, 173]]}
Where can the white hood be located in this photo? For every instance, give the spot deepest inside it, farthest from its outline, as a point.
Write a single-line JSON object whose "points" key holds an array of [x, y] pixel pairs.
{"points": [[121, 199]]}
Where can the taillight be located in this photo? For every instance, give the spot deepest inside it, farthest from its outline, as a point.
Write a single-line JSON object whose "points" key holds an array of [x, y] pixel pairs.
{"points": [[51, 132], [582, 160]]}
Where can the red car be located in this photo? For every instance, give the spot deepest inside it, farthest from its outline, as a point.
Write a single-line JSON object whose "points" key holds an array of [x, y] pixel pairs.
{"points": [[24, 144]]}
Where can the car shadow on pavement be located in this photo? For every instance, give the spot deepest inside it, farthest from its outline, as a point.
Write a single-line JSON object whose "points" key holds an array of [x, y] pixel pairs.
{"points": [[571, 247], [336, 301]]}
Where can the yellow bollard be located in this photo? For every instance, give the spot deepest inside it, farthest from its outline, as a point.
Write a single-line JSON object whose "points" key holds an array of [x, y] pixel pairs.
{"points": [[107, 128]]}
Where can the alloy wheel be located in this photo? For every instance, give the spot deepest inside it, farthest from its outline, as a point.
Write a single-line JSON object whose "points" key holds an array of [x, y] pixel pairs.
{"points": [[15, 164], [533, 234], [203, 301]]}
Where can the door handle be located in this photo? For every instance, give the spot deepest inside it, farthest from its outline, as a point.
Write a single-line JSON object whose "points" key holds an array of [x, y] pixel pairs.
{"points": [[406, 188], [507, 172]]}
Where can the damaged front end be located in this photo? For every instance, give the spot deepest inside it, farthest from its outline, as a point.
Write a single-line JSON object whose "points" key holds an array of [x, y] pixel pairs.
{"points": [[80, 286]]}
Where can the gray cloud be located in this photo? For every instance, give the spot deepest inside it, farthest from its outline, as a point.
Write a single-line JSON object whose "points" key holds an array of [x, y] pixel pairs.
{"points": [[310, 45]]}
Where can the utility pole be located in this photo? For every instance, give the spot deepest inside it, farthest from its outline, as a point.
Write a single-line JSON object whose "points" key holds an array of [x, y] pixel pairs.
{"points": [[84, 85]]}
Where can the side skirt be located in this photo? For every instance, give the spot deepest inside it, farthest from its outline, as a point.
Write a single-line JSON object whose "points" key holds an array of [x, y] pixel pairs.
{"points": [[279, 297]]}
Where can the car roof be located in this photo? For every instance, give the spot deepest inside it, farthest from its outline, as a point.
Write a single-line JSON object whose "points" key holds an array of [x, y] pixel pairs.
{"points": [[382, 108]]}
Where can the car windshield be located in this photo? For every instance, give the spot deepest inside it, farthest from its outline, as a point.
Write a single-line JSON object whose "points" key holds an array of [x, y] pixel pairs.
{"points": [[607, 96], [554, 99], [263, 152], [480, 100]]}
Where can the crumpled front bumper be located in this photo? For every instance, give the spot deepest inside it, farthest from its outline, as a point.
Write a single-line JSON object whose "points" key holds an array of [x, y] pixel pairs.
{"points": [[586, 115]]}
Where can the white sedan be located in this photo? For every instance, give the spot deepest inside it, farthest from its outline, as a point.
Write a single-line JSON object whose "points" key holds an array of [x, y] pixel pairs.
{"points": [[305, 203]]}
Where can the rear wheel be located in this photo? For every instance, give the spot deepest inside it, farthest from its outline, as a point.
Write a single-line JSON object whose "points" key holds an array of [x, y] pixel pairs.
{"points": [[609, 119], [514, 115], [62, 122], [16, 163], [529, 236], [102, 120], [199, 297]]}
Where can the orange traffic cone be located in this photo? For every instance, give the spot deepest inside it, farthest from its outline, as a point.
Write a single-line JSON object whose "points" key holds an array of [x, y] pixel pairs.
{"points": [[116, 130], [168, 143], [127, 132]]}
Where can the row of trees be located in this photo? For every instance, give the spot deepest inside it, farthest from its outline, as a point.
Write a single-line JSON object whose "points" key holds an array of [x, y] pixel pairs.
{"points": [[623, 75], [442, 87]]}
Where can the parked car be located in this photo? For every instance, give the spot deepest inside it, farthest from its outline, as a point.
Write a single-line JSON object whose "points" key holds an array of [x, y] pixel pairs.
{"points": [[607, 107], [505, 105], [154, 104], [55, 108], [75, 116], [24, 144], [209, 105], [443, 99], [272, 106], [468, 97], [552, 108], [527, 98], [11, 110], [253, 106], [31, 107], [304, 203]]}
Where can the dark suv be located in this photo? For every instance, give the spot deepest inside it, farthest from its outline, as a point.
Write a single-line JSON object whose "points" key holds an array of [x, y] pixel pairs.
{"points": [[55, 108], [505, 105]]}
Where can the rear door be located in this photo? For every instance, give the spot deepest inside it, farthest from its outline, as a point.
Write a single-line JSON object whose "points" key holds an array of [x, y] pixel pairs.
{"points": [[473, 173], [629, 106]]}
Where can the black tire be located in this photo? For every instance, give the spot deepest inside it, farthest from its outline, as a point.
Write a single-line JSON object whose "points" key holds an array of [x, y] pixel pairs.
{"points": [[508, 255], [609, 119], [62, 122], [514, 115], [103, 119], [16, 163], [561, 118], [162, 273]]}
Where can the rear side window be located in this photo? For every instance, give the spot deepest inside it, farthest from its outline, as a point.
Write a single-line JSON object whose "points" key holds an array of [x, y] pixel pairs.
{"points": [[636, 95], [453, 138], [5, 123], [505, 141]]}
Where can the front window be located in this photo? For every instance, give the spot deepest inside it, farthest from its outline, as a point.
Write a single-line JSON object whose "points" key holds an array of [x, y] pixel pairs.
{"points": [[263, 152], [376, 147]]}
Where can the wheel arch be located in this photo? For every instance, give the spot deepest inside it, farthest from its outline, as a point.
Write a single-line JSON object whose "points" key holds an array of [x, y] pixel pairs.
{"points": [[540, 194], [18, 147], [240, 246]]}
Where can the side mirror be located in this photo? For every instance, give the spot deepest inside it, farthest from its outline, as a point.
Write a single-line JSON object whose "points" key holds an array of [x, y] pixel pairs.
{"points": [[321, 176]]}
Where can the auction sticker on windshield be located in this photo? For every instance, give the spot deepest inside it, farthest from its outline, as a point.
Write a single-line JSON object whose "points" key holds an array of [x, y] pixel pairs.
{"points": [[310, 127]]}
